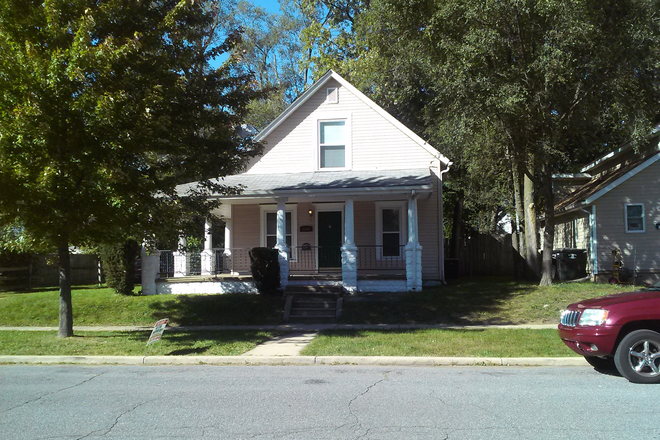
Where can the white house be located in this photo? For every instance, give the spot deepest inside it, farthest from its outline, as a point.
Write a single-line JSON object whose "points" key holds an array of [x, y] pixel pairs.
{"points": [[342, 189]]}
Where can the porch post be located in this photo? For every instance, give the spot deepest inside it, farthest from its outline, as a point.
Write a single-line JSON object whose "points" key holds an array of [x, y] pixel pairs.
{"points": [[181, 263], [208, 256], [349, 250], [281, 245], [413, 248], [150, 266], [227, 266]]}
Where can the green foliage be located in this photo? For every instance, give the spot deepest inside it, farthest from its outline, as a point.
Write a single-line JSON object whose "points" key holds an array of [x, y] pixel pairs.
{"points": [[119, 265], [105, 107], [265, 268]]}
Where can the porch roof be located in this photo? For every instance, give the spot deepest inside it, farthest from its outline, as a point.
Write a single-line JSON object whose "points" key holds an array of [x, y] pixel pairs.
{"points": [[325, 182]]}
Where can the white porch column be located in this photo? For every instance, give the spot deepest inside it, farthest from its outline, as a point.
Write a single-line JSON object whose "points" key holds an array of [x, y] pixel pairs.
{"points": [[349, 250], [150, 266], [181, 263], [281, 245], [227, 266], [208, 266], [413, 248]]}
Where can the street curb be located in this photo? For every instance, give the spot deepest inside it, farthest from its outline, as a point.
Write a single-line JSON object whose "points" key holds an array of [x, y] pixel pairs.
{"points": [[297, 360]]}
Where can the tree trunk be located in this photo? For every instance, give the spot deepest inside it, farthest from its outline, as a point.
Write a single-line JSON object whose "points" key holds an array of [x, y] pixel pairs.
{"points": [[517, 226], [531, 242], [549, 232], [66, 310], [457, 226]]}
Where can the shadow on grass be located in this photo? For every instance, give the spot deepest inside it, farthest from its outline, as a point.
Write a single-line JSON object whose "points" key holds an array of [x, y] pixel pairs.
{"points": [[179, 343], [227, 309], [456, 303]]}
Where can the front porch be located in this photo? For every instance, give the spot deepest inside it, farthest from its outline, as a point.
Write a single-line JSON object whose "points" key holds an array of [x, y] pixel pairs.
{"points": [[230, 273]]}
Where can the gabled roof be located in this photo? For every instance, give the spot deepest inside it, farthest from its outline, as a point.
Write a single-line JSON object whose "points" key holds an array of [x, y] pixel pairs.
{"points": [[604, 183], [333, 75]]}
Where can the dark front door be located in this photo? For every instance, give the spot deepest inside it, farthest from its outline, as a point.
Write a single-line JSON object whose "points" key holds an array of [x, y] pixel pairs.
{"points": [[330, 239]]}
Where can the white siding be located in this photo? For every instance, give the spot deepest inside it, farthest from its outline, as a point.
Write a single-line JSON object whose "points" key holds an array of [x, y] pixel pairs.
{"points": [[640, 249], [374, 142]]}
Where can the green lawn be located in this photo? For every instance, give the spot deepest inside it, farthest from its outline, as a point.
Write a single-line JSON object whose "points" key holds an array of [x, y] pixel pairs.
{"points": [[433, 342], [478, 301], [101, 306], [207, 343]]}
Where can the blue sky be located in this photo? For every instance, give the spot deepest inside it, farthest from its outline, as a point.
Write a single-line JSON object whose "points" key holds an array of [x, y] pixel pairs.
{"points": [[270, 5]]}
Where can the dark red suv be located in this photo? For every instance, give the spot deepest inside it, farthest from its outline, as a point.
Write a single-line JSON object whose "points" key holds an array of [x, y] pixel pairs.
{"points": [[621, 331]]}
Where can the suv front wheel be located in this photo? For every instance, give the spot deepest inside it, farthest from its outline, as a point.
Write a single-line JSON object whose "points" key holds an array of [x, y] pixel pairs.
{"points": [[637, 357]]}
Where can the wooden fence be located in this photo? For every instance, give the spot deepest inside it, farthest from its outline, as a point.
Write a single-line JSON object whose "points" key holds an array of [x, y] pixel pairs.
{"points": [[42, 271], [481, 255]]}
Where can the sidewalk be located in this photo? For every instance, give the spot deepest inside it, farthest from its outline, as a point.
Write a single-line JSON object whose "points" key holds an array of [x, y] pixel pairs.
{"points": [[285, 349]]}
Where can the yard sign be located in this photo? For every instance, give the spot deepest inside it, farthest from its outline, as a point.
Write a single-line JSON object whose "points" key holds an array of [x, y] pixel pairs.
{"points": [[158, 330]]}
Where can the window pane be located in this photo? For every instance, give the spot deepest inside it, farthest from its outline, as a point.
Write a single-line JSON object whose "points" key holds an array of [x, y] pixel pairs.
{"points": [[332, 133], [391, 244], [635, 217], [288, 223], [390, 220], [332, 156], [271, 223], [271, 241]]}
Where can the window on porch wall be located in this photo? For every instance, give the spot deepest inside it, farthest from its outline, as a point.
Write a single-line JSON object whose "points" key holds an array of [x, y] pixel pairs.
{"points": [[391, 229], [271, 230], [391, 232]]}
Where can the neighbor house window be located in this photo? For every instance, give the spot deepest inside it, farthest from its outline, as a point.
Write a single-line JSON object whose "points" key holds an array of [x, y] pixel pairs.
{"points": [[332, 144], [390, 228], [635, 217]]}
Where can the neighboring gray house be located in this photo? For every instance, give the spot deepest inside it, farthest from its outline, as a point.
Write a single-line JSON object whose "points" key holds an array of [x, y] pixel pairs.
{"points": [[614, 203], [342, 189]]}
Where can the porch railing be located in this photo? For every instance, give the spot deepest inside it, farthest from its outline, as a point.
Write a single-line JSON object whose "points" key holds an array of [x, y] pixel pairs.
{"points": [[377, 259], [370, 259], [237, 260], [303, 259]]}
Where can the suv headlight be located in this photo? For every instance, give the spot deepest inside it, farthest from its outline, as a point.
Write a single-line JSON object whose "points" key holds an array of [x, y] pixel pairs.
{"points": [[591, 317]]}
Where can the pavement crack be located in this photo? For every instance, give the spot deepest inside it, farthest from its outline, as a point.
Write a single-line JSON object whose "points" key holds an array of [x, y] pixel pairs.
{"points": [[116, 421], [357, 422], [36, 399]]}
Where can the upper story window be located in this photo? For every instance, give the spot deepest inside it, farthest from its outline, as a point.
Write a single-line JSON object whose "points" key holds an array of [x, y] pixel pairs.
{"points": [[332, 96], [332, 144], [635, 217]]}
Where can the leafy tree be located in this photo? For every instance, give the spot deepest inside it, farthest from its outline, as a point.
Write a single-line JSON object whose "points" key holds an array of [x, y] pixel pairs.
{"points": [[541, 85], [104, 108]]}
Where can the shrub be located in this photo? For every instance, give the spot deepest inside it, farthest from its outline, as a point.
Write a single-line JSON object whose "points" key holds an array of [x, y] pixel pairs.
{"points": [[119, 265], [265, 268]]}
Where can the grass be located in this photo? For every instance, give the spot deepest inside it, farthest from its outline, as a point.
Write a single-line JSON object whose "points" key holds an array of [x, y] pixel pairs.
{"points": [[433, 342], [483, 301], [207, 343], [101, 306], [480, 301]]}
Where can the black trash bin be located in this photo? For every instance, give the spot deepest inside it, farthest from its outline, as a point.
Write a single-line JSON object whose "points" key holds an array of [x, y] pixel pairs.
{"points": [[570, 264]]}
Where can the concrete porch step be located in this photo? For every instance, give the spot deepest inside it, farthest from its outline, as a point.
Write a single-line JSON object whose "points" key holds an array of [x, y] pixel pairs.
{"points": [[306, 303]]}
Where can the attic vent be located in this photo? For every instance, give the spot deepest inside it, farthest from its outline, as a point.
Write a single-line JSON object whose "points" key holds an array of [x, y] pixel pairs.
{"points": [[333, 96]]}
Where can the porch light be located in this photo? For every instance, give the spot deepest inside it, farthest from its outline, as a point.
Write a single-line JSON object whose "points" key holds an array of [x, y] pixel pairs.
{"points": [[310, 212]]}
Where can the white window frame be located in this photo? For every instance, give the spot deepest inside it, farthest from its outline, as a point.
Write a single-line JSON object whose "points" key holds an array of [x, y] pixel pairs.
{"points": [[289, 208], [625, 218], [348, 149], [332, 95], [403, 228]]}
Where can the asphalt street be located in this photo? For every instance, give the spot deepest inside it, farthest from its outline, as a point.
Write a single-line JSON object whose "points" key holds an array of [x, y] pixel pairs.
{"points": [[321, 402]]}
